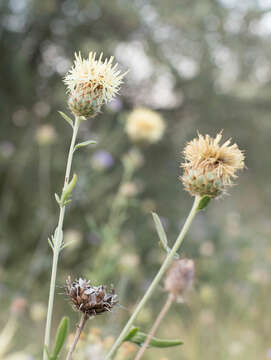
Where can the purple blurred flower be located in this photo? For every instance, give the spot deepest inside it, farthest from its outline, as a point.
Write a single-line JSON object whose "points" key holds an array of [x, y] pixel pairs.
{"points": [[268, 353], [102, 160]]}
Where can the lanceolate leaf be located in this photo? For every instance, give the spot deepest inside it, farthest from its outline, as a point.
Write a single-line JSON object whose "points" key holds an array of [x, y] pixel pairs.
{"points": [[61, 336], [137, 337], [162, 234], [66, 117], [85, 143], [160, 230]]}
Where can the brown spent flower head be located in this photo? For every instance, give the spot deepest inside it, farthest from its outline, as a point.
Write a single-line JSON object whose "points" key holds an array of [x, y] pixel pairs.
{"points": [[180, 277], [210, 167], [91, 83], [90, 300]]}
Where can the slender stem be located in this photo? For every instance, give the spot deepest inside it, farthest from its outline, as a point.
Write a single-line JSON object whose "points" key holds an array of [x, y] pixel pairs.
{"points": [[157, 278], [58, 243], [157, 322], [80, 327]]}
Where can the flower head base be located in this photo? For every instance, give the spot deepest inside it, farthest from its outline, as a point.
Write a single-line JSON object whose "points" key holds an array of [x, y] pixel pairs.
{"points": [[90, 300], [144, 125], [180, 277], [91, 83], [209, 167]]}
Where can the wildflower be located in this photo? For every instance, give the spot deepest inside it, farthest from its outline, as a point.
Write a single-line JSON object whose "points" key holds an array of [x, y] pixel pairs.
{"points": [[180, 277], [102, 160], [91, 83], [46, 135], [144, 125], [90, 300], [209, 167], [37, 311]]}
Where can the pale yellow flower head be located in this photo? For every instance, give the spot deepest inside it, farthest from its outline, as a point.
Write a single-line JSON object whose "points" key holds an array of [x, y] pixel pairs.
{"points": [[91, 83], [210, 167], [46, 135], [145, 125]]}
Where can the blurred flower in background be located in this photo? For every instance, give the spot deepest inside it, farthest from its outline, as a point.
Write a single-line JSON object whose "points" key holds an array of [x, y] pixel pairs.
{"points": [[145, 125], [101, 160], [46, 135]]}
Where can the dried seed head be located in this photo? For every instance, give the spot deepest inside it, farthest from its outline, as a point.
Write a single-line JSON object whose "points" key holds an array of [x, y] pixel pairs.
{"points": [[90, 300], [209, 167], [91, 83], [180, 277]]}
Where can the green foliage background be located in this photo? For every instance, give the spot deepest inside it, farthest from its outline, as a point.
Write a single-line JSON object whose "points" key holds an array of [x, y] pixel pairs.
{"points": [[205, 66]]}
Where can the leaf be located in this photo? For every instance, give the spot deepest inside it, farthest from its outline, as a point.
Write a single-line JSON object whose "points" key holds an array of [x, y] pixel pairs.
{"points": [[61, 336], [131, 334], [65, 117], [162, 235], [57, 199], [84, 143], [51, 243], [137, 337], [67, 244], [160, 230], [68, 190], [204, 201]]}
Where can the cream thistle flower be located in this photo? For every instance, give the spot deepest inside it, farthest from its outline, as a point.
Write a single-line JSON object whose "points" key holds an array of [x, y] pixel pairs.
{"points": [[92, 83], [209, 167], [144, 125]]}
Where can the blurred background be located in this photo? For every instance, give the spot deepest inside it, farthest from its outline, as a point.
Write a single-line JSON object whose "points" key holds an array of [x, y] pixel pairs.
{"points": [[203, 66]]}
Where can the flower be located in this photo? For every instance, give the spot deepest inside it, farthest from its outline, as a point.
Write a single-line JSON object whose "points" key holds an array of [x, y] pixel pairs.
{"points": [[145, 125], [90, 300], [210, 167], [46, 135], [102, 160], [180, 277], [38, 311], [91, 83]]}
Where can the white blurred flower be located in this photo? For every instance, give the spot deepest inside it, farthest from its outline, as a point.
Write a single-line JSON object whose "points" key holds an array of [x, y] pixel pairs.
{"points": [[46, 135], [38, 311], [145, 125], [236, 348], [207, 248]]}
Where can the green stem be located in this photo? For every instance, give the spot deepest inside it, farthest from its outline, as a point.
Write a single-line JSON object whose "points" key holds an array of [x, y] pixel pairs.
{"points": [[168, 260], [57, 244]]}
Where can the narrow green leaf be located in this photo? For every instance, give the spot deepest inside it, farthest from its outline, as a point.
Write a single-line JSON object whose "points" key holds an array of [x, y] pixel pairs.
{"points": [[139, 338], [68, 190], [57, 199], [84, 143], [51, 243], [67, 118], [204, 201], [160, 230], [67, 244], [61, 336], [131, 334]]}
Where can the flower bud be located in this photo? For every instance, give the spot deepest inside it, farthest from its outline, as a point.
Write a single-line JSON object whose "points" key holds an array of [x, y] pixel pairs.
{"points": [[180, 277]]}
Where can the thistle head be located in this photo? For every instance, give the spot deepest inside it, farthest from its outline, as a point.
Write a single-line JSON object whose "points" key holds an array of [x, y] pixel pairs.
{"points": [[91, 83], [209, 167], [90, 300], [180, 277], [145, 125]]}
